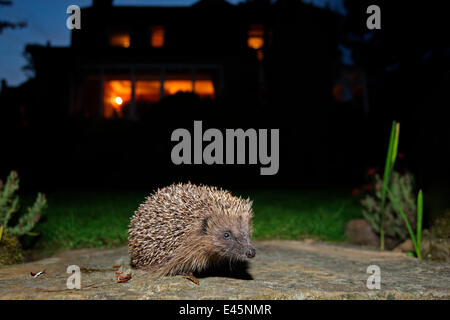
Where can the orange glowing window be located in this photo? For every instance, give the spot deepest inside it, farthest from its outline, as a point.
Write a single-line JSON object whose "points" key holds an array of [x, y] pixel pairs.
{"points": [[260, 55], [204, 88], [255, 37], [147, 90], [116, 97], [174, 86], [157, 37], [120, 39]]}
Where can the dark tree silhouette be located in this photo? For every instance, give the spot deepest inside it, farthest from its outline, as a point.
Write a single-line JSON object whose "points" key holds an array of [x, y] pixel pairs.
{"points": [[397, 58], [4, 24]]}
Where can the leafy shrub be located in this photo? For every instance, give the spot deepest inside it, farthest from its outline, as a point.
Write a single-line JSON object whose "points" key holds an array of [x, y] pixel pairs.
{"points": [[402, 188], [9, 205], [10, 248]]}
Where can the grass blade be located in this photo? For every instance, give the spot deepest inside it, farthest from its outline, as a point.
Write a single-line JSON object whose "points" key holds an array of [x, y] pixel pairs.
{"points": [[405, 218], [386, 176], [419, 222], [387, 166], [395, 146]]}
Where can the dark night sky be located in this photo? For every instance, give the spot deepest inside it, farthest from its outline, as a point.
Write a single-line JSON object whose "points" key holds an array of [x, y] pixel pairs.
{"points": [[47, 22]]}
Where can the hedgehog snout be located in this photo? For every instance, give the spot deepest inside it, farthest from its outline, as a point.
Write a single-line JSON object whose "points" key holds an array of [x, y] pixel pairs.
{"points": [[250, 253]]}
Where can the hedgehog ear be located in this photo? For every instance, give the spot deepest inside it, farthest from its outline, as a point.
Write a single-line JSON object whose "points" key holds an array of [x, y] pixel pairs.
{"points": [[205, 225]]}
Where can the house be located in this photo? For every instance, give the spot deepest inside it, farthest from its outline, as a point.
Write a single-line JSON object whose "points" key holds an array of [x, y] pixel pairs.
{"points": [[124, 60]]}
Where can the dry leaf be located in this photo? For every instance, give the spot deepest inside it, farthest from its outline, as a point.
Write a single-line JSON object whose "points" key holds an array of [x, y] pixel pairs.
{"points": [[40, 273], [123, 278], [190, 277]]}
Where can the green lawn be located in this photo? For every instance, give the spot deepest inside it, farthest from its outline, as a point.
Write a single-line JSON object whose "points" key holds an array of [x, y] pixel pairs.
{"points": [[300, 214], [76, 220]]}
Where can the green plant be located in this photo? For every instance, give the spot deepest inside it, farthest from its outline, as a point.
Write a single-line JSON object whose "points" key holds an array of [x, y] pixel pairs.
{"points": [[416, 240], [388, 168], [9, 205], [402, 189], [10, 250], [401, 200]]}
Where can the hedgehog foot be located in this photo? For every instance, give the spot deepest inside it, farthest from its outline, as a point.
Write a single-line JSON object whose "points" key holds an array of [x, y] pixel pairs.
{"points": [[191, 277]]}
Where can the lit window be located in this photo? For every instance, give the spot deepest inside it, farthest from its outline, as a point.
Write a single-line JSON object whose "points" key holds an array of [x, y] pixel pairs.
{"points": [[147, 91], [117, 93], [117, 96], [256, 37], [157, 37], [120, 39], [173, 86], [260, 55], [203, 85]]}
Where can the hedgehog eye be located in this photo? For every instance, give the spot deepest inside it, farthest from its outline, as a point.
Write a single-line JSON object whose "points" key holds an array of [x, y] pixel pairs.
{"points": [[226, 235]]}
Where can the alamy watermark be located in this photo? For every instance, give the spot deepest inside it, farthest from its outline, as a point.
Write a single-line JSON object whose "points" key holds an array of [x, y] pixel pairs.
{"points": [[374, 281], [214, 152], [74, 280], [374, 20], [74, 20]]}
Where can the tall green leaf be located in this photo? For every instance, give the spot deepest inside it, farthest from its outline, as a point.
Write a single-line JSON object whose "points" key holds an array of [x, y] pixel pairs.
{"points": [[395, 145], [419, 222], [386, 176], [405, 218]]}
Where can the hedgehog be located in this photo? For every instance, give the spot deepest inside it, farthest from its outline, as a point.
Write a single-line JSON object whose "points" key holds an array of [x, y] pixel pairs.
{"points": [[184, 229]]}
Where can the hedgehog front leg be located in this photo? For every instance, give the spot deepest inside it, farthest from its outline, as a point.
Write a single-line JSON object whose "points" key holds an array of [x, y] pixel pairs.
{"points": [[192, 278]]}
